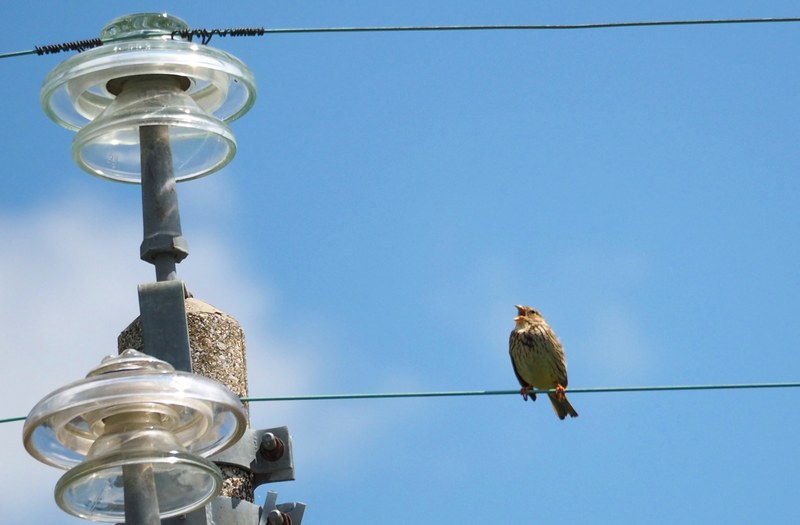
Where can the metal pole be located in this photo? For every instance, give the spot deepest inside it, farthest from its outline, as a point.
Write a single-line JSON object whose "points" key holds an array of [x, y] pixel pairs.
{"points": [[138, 480], [159, 199], [163, 244], [141, 498]]}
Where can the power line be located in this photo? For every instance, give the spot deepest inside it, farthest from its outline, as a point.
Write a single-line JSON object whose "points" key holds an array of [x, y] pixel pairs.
{"points": [[533, 27], [668, 388], [206, 34], [462, 393]]}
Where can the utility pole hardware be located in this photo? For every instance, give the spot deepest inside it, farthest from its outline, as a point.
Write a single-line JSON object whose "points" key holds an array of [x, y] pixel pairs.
{"points": [[158, 434]]}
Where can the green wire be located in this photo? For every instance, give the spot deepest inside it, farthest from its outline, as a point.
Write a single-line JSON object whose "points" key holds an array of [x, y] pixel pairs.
{"points": [[533, 27], [529, 27], [12, 419], [461, 393], [18, 53], [509, 392]]}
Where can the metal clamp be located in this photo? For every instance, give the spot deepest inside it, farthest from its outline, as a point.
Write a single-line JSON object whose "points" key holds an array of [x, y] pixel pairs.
{"points": [[232, 511], [165, 333], [266, 453], [283, 514]]}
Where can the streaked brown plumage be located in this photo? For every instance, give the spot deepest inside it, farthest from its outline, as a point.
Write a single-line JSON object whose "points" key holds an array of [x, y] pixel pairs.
{"points": [[538, 359]]}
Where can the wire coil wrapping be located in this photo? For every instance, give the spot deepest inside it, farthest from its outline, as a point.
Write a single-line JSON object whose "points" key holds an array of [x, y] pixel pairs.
{"points": [[76, 45], [206, 34]]}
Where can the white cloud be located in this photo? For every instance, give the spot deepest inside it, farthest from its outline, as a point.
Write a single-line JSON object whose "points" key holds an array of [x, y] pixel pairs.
{"points": [[68, 277], [67, 286]]}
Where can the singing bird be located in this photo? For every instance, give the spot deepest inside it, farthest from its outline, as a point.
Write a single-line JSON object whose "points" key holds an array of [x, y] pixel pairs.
{"points": [[538, 359]]}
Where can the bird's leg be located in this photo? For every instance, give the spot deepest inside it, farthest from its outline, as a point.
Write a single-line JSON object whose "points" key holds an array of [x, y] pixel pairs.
{"points": [[526, 391], [561, 392]]}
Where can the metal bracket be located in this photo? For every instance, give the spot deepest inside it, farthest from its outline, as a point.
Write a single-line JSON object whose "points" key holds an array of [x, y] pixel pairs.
{"points": [[196, 517], [165, 332], [283, 514], [231, 511], [266, 453]]}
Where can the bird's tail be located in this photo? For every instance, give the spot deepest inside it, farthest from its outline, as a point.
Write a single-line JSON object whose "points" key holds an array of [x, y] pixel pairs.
{"points": [[562, 406]]}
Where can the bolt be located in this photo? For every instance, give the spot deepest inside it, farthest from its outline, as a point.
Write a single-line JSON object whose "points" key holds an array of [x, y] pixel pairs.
{"points": [[271, 448], [277, 517]]}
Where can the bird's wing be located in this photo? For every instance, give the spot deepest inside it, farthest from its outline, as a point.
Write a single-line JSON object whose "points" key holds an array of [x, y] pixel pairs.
{"points": [[513, 340]]}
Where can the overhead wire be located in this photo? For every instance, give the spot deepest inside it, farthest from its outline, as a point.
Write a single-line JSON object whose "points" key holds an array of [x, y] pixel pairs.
{"points": [[463, 393], [81, 45], [534, 27], [206, 34], [666, 388]]}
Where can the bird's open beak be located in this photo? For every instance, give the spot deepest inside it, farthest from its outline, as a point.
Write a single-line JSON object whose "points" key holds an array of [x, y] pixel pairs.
{"points": [[520, 313]]}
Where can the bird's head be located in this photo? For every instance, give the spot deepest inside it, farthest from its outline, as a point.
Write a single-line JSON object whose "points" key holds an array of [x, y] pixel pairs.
{"points": [[527, 316]]}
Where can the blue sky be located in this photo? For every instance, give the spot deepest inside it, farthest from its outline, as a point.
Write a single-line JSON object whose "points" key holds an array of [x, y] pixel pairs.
{"points": [[394, 195]]}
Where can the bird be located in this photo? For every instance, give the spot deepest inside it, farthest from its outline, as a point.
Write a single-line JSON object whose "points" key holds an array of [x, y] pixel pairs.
{"points": [[538, 360]]}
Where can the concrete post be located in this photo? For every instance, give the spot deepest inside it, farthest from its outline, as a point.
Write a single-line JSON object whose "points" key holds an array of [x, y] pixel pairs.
{"points": [[218, 351]]}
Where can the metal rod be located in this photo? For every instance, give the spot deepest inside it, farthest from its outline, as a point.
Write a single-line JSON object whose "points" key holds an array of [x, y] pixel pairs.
{"points": [[163, 244], [141, 497], [161, 217]]}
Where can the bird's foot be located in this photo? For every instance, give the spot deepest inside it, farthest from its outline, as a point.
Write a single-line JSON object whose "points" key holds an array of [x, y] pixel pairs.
{"points": [[526, 391], [561, 392]]}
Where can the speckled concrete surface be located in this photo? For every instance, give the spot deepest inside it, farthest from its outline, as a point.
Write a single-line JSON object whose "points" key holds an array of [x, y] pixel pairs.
{"points": [[218, 351]]}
